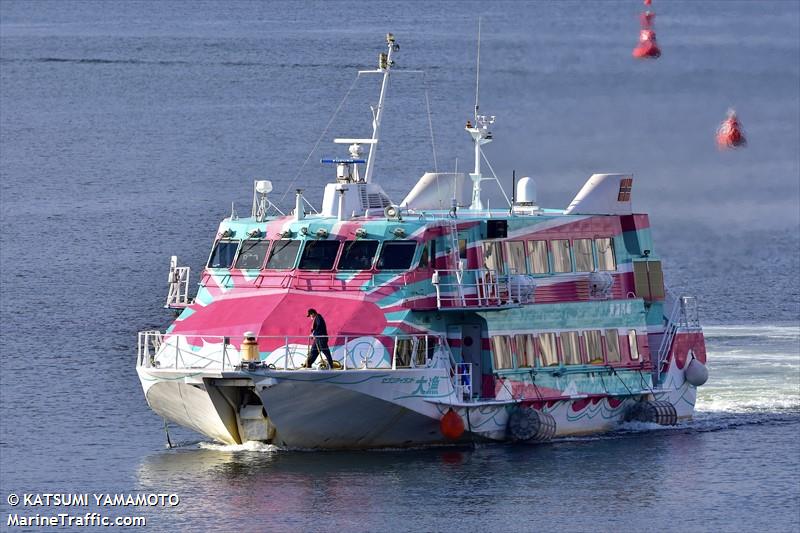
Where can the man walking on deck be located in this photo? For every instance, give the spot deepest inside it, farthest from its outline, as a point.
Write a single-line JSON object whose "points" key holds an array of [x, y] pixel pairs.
{"points": [[319, 339]]}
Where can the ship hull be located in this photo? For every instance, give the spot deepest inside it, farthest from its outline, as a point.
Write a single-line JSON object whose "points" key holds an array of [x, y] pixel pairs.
{"points": [[372, 409]]}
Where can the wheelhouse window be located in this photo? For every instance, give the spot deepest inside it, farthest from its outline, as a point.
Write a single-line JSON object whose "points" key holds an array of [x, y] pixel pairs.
{"points": [[358, 255], [223, 254], [283, 255], [548, 349], [571, 348], [501, 348], [633, 345], [252, 254], [397, 255], [592, 343], [612, 346], [537, 250], [319, 255], [561, 259], [584, 261], [516, 257], [526, 351], [605, 254], [493, 256], [428, 256]]}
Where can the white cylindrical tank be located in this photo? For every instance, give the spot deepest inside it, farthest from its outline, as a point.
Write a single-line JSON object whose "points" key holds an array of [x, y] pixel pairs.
{"points": [[526, 191]]}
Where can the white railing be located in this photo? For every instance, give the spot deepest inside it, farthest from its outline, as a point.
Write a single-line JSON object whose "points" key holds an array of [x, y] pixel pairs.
{"points": [[462, 382], [287, 352], [683, 314], [312, 279], [456, 288], [148, 346], [178, 293]]}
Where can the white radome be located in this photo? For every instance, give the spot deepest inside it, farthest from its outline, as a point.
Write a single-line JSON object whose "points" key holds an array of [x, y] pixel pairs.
{"points": [[263, 186]]}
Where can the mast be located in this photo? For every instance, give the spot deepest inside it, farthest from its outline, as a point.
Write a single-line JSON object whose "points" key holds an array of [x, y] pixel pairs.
{"points": [[479, 132], [385, 64]]}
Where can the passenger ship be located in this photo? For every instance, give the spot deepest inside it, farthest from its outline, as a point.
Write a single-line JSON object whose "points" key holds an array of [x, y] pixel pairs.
{"points": [[449, 322]]}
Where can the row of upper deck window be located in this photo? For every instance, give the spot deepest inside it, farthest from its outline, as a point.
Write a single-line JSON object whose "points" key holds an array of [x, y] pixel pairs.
{"points": [[315, 255], [567, 347], [518, 257], [532, 257]]}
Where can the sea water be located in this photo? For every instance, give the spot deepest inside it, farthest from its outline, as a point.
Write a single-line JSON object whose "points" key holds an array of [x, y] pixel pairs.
{"points": [[127, 129]]}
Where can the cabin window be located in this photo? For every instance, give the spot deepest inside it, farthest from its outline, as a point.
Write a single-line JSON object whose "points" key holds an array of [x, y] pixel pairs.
{"points": [[397, 255], [493, 256], [648, 280], [538, 253], [516, 257], [561, 259], [571, 348], [410, 350], [526, 351], [252, 254], [547, 349], [358, 255], [223, 254], [283, 255], [612, 346], [592, 343], [633, 345], [319, 255], [605, 254], [501, 347], [584, 261], [462, 248]]}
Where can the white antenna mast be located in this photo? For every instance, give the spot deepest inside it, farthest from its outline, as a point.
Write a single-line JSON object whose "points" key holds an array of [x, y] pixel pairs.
{"points": [[479, 132], [385, 64], [478, 72]]}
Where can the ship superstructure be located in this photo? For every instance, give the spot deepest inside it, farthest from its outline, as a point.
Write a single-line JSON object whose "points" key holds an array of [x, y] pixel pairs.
{"points": [[449, 321]]}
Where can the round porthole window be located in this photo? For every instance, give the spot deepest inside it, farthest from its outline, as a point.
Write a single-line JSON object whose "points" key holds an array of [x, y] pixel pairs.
{"points": [[468, 341]]}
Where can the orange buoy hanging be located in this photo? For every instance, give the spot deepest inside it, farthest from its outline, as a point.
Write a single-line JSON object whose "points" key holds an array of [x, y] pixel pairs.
{"points": [[647, 47], [451, 425], [729, 133]]}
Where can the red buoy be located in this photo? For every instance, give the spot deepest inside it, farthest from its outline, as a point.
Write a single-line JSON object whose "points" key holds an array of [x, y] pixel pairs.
{"points": [[647, 47], [729, 133], [451, 425]]}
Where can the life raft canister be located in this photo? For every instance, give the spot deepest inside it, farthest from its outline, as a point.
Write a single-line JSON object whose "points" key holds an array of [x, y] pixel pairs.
{"points": [[451, 425], [527, 424], [656, 411]]}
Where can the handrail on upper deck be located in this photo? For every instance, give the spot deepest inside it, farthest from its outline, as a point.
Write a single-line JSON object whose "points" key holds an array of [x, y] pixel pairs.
{"points": [[481, 287]]}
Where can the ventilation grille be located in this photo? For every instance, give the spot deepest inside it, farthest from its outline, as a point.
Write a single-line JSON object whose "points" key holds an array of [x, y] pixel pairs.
{"points": [[373, 200]]}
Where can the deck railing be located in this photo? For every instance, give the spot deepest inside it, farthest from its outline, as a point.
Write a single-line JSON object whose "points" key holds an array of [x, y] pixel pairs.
{"points": [[481, 288], [288, 352], [178, 279], [683, 314]]}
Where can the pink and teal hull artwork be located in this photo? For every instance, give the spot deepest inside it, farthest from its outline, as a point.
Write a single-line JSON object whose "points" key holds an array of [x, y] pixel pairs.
{"points": [[448, 322]]}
